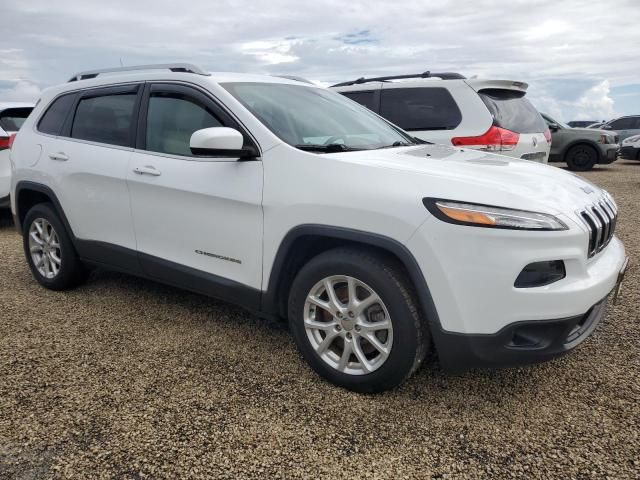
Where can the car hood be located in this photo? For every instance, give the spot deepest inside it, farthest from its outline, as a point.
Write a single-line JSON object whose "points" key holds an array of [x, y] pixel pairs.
{"points": [[474, 176], [595, 132]]}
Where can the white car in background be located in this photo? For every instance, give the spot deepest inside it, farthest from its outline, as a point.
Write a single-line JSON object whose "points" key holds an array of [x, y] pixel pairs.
{"points": [[447, 108], [12, 116], [630, 148]]}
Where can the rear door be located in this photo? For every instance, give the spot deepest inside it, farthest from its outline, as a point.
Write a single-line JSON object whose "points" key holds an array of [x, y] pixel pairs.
{"points": [[512, 111], [201, 213], [88, 163]]}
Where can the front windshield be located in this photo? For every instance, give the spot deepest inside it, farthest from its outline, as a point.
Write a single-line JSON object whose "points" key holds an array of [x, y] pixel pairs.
{"points": [[315, 119]]}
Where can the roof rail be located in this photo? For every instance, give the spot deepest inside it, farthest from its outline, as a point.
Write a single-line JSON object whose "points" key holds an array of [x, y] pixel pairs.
{"points": [[427, 74], [174, 67]]}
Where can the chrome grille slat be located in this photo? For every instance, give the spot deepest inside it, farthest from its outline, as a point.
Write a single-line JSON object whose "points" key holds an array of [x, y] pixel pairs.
{"points": [[600, 218], [604, 218]]}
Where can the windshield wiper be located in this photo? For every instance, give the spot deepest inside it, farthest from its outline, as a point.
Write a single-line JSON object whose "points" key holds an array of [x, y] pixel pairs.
{"points": [[396, 144], [331, 148]]}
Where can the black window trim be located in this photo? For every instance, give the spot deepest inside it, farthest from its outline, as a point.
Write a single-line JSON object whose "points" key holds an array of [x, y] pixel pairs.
{"points": [[202, 97]]}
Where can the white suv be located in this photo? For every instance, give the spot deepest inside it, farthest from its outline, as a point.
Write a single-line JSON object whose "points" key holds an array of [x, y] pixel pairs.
{"points": [[293, 201], [12, 116], [447, 108]]}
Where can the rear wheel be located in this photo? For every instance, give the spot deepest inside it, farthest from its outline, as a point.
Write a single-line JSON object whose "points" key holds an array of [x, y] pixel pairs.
{"points": [[355, 321], [581, 158], [48, 249]]}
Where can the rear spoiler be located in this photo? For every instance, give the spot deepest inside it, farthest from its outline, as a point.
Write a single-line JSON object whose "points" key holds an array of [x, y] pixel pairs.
{"points": [[478, 85]]}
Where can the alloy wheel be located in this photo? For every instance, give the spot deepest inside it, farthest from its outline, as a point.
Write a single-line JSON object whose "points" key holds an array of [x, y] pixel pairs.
{"points": [[348, 325], [44, 248]]}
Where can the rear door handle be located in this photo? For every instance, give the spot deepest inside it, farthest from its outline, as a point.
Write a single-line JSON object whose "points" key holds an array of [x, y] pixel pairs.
{"points": [[60, 156], [147, 170]]}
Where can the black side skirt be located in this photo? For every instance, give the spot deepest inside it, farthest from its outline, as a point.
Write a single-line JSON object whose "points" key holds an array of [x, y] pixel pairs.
{"points": [[153, 268]]}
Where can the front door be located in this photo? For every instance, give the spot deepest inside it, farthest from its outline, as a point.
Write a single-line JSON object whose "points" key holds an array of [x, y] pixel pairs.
{"points": [[198, 221]]}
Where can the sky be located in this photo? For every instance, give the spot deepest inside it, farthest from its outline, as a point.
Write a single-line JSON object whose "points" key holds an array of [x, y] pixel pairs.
{"points": [[581, 59]]}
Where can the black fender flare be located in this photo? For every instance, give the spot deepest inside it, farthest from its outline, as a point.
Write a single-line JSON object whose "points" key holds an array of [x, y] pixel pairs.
{"points": [[45, 190], [271, 295]]}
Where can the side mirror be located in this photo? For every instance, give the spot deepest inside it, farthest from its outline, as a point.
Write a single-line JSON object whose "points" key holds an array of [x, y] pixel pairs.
{"points": [[219, 142], [554, 127], [606, 127]]}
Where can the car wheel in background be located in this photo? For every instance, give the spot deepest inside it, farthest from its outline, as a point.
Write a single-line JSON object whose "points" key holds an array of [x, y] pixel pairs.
{"points": [[581, 158], [355, 320], [50, 254]]}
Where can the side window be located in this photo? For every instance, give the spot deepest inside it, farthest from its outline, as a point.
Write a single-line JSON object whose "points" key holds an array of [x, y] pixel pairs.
{"points": [[105, 119], [431, 108], [53, 119], [622, 123], [171, 120], [636, 124], [366, 99]]}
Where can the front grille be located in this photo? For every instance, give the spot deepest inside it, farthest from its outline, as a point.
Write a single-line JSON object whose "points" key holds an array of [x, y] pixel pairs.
{"points": [[600, 218]]}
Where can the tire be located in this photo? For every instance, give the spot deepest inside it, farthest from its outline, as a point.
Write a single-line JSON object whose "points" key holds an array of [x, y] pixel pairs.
{"points": [[381, 283], [61, 268], [581, 158]]}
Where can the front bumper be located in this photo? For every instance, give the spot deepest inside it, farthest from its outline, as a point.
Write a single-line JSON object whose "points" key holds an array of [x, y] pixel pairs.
{"points": [[608, 153], [629, 153], [519, 343]]}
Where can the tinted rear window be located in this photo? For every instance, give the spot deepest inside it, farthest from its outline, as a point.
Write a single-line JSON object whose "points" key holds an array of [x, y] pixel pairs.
{"points": [[420, 108], [53, 119], [12, 119], [366, 99], [105, 119], [512, 111]]}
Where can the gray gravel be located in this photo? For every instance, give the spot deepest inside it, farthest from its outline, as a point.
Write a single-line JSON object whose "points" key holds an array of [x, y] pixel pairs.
{"points": [[129, 379]]}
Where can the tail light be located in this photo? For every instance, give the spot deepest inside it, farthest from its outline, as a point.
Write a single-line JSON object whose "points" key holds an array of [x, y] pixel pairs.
{"points": [[547, 135], [7, 142], [495, 139]]}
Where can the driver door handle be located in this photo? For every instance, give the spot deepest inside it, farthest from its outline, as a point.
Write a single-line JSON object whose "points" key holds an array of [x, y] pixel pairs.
{"points": [[147, 170]]}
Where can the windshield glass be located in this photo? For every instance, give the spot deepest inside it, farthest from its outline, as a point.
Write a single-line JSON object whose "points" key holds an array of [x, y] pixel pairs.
{"points": [[314, 117]]}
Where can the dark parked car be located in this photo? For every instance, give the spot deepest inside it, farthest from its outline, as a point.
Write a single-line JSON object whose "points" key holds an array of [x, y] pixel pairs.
{"points": [[581, 148]]}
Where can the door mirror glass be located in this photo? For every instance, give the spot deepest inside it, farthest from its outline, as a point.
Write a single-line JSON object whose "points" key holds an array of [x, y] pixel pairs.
{"points": [[219, 142]]}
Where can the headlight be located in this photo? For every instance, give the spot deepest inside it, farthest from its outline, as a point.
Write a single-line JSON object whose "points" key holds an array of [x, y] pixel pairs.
{"points": [[477, 215], [606, 139]]}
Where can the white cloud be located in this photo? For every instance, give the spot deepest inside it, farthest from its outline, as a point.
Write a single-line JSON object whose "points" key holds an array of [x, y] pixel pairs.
{"points": [[596, 102], [21, 91]]}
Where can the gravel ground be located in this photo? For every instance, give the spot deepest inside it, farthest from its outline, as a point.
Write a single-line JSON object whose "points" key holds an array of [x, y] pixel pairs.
{"points": [[125, 378]]}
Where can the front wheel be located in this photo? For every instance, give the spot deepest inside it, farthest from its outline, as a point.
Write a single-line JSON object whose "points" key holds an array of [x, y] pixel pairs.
{"points": [[581, 158], [354, 318]]}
